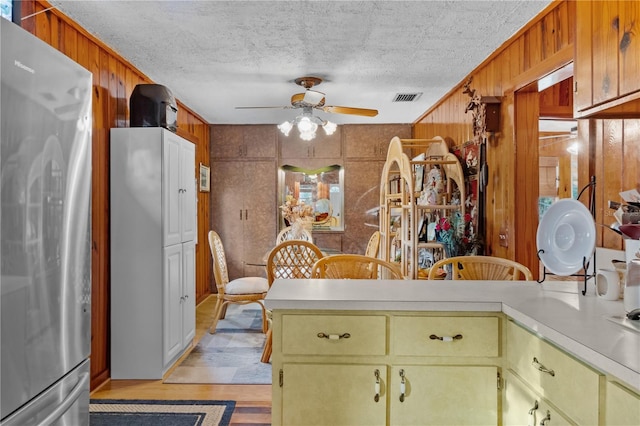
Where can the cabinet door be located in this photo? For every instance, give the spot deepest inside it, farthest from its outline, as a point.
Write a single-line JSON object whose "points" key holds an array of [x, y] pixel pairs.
{"points": [[362, 187], [622, 406], [365, 142], [188, 194], [605, 50], [188, 293], [260, 219], [523, 406], [583, 44], [227, 211], [172, 302], [260, 141], [322, 146], [629, 46], [171, 189], [443, 395], [244, 212], [324, 394], [227, 141]]}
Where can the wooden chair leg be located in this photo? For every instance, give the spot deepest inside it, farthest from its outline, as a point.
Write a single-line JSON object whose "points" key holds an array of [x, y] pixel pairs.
{"points": [[223, 314], [266, 352], [217, 311], [265, 323]]}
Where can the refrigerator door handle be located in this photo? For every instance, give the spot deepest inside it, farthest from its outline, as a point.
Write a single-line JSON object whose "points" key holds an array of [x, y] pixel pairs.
{"points": [[68, 401]]}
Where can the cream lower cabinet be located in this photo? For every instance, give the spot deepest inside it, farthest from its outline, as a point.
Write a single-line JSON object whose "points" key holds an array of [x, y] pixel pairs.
{"points": [[381, 368], [523, 406], [554, 377], [622, 406]]}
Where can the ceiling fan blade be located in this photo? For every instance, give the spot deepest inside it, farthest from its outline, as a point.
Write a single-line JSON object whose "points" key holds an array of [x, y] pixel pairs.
{"points": [[349, 110], [313, 97], [265, 107]]}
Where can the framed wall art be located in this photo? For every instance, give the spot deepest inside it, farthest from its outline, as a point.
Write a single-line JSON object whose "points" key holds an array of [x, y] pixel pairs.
{"points": [[205, 178]]}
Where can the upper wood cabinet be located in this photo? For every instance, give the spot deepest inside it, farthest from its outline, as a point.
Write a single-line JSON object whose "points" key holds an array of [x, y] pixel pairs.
{"points": [[363, 141], [234, 141], [607, 59], [322, 146]]}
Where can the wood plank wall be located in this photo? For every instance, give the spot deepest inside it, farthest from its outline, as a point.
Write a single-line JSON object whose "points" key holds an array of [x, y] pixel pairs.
{"points": [[114, 78], [543, 46]]}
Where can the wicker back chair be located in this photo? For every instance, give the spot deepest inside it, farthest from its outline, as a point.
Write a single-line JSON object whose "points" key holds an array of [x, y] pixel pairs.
{"points": [[289, 260], [481, 268], [288, 233], [292, 259], [355, 266], [241, 290], [373, 246]]}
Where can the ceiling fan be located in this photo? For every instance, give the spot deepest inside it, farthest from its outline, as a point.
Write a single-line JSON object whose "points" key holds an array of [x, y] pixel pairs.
{"points": [[312, 99]]}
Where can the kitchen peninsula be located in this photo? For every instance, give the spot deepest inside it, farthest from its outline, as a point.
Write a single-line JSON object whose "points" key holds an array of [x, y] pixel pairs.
{"points": [[400, 352]]}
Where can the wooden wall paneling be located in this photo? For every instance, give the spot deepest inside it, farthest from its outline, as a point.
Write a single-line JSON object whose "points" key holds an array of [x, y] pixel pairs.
{"points": [[631, 155], [526, 180], [113, 81], [611, 181]]}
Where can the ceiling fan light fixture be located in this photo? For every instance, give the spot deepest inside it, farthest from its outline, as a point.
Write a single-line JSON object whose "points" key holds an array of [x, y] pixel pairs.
{"points": [[330, 127], [285, 127], [307, 136], [306, 125]]}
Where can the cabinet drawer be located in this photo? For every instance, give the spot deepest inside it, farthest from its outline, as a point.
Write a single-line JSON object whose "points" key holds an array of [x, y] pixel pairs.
{"points": [[479, 336], [346, 335], [567, 383], [523, 406]]}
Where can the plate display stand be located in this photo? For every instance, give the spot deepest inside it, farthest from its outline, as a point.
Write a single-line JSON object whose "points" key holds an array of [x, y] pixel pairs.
{"points": [[585, 275]]}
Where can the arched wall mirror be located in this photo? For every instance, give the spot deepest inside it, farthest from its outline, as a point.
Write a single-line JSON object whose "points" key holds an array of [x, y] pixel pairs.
{"points": [[322, 190]]}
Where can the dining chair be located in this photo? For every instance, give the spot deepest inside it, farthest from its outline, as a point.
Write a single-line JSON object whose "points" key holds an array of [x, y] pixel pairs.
{"points": [[481, 268], [290, 259], [288, 233], [355, 266], [241, 290], [373, 246]]}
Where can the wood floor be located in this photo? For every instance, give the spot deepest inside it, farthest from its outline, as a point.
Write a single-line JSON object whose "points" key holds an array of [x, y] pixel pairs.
{"points": [[253, 402]]}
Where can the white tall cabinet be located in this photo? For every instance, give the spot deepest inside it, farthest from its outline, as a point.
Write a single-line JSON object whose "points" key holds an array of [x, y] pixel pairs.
{"points": [[153, 228]]}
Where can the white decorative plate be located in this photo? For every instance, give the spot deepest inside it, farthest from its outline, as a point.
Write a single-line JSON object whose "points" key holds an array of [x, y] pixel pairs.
{"points": [[567, 235]]}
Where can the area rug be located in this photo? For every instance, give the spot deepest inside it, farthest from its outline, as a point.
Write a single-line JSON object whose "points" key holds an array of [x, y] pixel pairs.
{"points": [[231, 355], [123, 412]]}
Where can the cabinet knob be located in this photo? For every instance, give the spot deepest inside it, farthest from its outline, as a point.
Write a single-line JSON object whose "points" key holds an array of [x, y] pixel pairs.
{"points": [[403, 385]]}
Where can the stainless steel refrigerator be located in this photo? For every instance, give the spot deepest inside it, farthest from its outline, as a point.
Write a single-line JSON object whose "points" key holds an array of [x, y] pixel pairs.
{"points": [[45, 254]]}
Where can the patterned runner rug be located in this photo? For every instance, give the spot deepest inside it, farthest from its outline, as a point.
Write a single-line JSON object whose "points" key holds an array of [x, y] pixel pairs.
{"points": [[120, 412], [231, 355]]}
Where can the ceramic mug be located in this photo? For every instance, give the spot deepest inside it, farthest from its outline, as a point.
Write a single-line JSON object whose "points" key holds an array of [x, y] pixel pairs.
{"points": [[608, 284]]}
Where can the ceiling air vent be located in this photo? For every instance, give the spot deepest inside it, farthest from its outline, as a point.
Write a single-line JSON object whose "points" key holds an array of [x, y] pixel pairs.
{"points": [[407, 97]]}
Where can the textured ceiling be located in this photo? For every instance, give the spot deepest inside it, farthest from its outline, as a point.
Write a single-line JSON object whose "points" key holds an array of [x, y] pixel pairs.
{"points": [[218, 55]]}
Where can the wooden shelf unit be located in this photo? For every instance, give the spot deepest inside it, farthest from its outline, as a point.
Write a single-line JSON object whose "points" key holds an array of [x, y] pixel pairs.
{"points": [[401, 245]]}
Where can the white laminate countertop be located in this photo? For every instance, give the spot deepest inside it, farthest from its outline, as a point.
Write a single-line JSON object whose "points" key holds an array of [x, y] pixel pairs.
{"points": [[578, 324]]}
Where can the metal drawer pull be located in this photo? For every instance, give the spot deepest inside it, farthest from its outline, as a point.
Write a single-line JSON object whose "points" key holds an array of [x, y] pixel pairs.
{"points": [[446, 338], [403, 386], [334, 336], [532, 414], [376, 397], [542, 368], [546, 419]]}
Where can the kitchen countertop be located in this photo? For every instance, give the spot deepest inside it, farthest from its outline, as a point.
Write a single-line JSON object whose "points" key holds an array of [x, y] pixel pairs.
{"points": [[579, 324]]}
